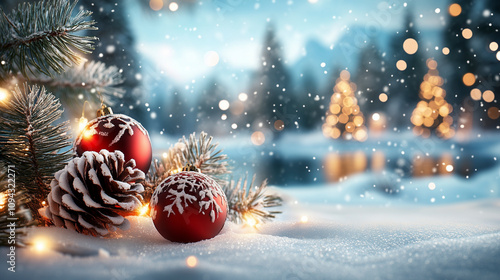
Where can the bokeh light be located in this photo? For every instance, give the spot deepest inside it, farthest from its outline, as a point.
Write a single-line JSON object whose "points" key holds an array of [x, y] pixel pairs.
{"points": [[223, 105], [455, 10], [488, 96], [401, 65], [383, 97], [258, 138], [173, 6], [493, 46], [467, 33], [446, 51], [410, 46], [211, 58], [156, 5], [493, 113], [475, 94], [191, 261], [469, 79]]}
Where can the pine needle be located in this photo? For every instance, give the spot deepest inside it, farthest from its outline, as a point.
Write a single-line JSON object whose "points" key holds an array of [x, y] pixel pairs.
{"points": [[32, 142], [247, 204], [39, 37]]}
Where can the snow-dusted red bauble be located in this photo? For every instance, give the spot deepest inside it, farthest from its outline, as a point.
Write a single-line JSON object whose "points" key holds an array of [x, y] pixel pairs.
{"points": [[188, 207], [117, 132]]}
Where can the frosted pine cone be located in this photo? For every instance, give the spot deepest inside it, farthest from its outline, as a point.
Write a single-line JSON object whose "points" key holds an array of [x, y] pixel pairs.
{"points": [[94, 192]]}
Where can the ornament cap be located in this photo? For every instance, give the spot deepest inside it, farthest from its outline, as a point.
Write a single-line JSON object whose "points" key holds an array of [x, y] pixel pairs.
{"points": [[105, 110], [190, 167]]}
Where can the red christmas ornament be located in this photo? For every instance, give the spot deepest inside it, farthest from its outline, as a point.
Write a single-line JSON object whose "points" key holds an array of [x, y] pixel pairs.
{"points": [[188, 207], [117, 132]]}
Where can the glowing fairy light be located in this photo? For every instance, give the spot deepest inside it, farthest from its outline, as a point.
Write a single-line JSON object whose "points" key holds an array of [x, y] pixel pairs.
{"points": [[446, 51], [249, 220], [431, 186], [41, 245], [4, 94], [475, 94], [493, 46], [376, 116], [82, 123], [304, 219], [488, 96], [191, 261], [144, 210], [3, 200]]}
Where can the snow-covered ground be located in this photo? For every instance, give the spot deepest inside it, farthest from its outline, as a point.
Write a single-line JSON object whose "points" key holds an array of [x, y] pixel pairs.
{"points": [[312, 239]]}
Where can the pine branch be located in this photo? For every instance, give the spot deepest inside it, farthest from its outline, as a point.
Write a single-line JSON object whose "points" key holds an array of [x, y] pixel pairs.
{"points": [[89, 79], [33, 143], [39, 37], [247, 204], [203, 154]]}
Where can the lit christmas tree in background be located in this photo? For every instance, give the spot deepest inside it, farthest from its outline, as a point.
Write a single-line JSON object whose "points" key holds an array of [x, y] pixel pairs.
{"points": [[344, 117], [433, 112]]}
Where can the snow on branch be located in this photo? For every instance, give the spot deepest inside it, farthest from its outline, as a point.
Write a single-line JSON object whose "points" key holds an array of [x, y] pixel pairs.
{"points": [[39, 37]]}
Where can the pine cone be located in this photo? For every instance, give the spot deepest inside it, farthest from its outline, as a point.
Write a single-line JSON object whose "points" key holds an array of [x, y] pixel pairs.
{"points": [[94, 192]]}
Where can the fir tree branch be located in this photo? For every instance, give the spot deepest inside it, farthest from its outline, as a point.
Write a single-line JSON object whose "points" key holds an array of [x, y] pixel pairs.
{"points": [[204, 155], [247, 204], [39, 37], [90, 79], [33, 143]]}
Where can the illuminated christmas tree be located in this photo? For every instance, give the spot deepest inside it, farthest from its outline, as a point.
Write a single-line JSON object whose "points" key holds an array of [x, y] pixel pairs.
{"points": [[344, 118], [432, 113]]}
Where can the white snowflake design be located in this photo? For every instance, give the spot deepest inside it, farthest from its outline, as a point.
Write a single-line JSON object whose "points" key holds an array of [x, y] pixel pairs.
{"points": [[179, 187], [126, 125]]}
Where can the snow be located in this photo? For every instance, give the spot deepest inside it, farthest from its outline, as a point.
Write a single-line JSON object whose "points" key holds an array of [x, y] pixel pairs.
{"points": [[310, 240]]}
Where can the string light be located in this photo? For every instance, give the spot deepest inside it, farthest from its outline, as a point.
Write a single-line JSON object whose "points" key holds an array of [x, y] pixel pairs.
{"points": [[83, 121], [191, 261], [4, 94], [144, 211]]}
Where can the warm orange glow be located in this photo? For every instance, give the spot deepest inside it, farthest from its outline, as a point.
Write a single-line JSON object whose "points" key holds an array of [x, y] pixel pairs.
{"points": [[467, 33], [401, 65], [455, 9], [3, 200], [4, 94], [410, 46], [156, 5], [82, 123], [432, 64], [446, 51], [488, 96], [493, 46], [87, 133], [383, 97], [191, 261], [304, 219], [258, 138], [493, 113], [475, 94], [345, 75], [144, 211], [469, 79]]}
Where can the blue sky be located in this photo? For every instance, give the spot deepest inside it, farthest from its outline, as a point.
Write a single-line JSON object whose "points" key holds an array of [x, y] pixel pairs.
{"points": [[183, 42]]}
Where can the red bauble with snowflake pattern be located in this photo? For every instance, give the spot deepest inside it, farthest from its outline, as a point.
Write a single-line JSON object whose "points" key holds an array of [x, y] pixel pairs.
{"points": [[117, 132], [188, 207]]}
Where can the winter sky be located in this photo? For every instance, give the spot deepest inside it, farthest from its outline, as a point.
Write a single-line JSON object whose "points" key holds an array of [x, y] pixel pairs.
{"points": [[187, 42]]}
